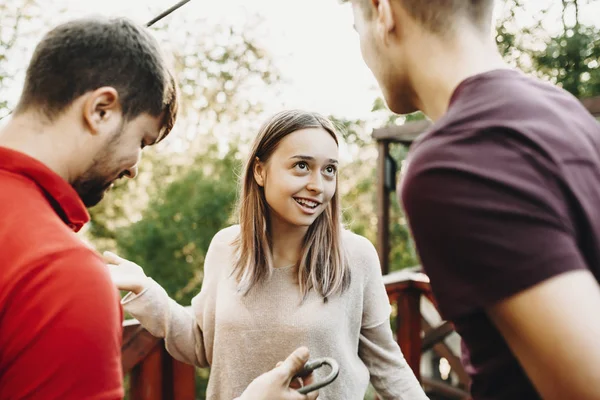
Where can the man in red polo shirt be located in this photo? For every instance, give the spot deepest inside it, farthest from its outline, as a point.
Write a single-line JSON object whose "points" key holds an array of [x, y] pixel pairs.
{"points": [[96, 92]]}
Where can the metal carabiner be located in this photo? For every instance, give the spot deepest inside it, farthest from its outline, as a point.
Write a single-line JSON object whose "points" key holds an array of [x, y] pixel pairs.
{"points": [[310, 366]]}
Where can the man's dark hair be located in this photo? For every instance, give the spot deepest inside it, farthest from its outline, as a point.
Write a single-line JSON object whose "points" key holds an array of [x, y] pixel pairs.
{"points": [[85, 54], [439, 16]]}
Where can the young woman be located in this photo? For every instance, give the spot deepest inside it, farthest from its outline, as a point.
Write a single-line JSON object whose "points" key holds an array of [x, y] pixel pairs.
{"points": [[287, 276]]}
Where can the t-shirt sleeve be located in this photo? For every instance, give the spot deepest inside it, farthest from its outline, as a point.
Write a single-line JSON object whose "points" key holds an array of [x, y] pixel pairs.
{"points": [[70, 331], [489, 220]]}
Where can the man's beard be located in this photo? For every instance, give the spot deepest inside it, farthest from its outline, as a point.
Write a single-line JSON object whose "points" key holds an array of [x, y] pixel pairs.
{"points": [[93, 183], [91, 189]]}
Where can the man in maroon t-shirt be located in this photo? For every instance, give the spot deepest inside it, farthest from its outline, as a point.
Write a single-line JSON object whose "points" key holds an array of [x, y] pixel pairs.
{"points": [[502, 196]]}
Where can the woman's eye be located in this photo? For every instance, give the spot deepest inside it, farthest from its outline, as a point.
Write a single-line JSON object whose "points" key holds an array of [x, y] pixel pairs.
{"points": [[302, 166], [330, 170]]}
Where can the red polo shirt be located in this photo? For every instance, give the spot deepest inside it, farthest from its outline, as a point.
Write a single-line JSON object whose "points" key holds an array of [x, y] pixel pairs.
{"points": [[60, 319]]}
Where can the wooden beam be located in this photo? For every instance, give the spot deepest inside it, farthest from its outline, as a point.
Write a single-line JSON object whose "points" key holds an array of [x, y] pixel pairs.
{"points": [[399, 281], [138, 343], [404, 134], [383, 209], [592, 104], [146, 380], [436, 335]]}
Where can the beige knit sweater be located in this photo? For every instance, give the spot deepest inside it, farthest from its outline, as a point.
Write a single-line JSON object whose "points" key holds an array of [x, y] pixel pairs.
{"points": [[240, 337]]}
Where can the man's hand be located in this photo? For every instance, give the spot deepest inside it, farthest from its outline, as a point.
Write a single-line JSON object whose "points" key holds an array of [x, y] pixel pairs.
{"points": [[275, 384], [126, 275]]}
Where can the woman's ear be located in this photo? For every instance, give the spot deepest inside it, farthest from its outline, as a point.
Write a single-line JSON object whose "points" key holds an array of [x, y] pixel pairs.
{"points": [[259, 172]]}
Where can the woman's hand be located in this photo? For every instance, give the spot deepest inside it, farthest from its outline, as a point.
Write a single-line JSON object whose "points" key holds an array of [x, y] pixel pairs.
{"points": [[125, 274]]}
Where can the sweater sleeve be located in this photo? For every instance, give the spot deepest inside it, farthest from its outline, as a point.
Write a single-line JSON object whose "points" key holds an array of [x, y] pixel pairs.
{"points": [[376, 304], [391, 376], [184, 328], [164, 318]]}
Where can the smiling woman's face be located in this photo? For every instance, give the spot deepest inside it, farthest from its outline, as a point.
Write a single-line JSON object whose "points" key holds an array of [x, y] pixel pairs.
{"points": [[300, 177]]}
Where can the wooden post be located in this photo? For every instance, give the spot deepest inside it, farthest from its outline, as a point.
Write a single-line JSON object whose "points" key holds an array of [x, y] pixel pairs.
{"points": [[160, 376], [184, 381], [154, 374], [146, 380], [383, 209], [408, 328]]}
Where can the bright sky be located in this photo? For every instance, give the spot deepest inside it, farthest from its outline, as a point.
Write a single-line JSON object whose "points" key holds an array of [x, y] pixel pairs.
{"points": [[311, 42]]}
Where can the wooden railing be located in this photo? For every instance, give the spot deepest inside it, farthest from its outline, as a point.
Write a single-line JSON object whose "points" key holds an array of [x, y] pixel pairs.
{"points": [[154, 374], [415, 335]]}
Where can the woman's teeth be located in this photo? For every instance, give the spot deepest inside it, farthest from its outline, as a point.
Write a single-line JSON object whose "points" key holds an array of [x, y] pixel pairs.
{"points": [[307, 203]]}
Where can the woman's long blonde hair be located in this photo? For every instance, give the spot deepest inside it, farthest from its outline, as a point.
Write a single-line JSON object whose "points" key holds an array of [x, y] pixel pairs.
{"points": [[322, 266]]}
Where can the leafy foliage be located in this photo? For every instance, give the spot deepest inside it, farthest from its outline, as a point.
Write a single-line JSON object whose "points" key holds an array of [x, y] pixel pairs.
{"points": [[171, 239]]}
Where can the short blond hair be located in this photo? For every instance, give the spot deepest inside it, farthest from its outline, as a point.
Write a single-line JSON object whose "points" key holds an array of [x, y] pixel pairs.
{"points": [[438, 16]]}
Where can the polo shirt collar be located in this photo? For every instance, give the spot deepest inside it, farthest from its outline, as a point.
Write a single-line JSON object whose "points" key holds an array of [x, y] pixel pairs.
{"points": [[60, 194]]}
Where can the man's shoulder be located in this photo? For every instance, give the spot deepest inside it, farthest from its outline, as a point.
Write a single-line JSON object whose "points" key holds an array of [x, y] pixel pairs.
{"points": [[17, 191], [29, 221], [507, 95], [22, 201], [82, 271], [44, 251], [536, 115], [42, 239], [35, 242], [77, 264], [491, 118]]}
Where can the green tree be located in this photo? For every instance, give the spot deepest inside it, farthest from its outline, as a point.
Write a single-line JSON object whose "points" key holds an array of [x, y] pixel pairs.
{"points": [[567, 57], [14, 16], [219, 69], [570, 58], [171, 239]]}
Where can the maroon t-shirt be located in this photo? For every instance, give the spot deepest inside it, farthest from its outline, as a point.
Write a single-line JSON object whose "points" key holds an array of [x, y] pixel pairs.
{"points": [[501, 194]]}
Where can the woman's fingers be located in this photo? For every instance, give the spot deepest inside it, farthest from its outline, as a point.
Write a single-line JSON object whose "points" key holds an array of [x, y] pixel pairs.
{"points": [[112, 258]]}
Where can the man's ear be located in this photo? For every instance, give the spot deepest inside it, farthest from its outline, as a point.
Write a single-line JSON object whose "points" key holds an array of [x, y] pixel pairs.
{"points": [[385, 18], [259, 172], [101, 106]]}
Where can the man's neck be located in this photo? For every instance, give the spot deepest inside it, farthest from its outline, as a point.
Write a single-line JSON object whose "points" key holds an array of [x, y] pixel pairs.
{"points": [[450, 63], [29, 135]]}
